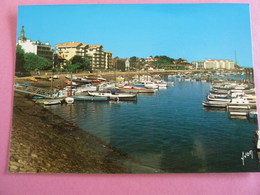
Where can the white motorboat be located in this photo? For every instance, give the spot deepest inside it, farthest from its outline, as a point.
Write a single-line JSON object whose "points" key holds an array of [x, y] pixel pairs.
{"points": [[147, 84], [258, 139], [51, 102], [85, 88], [211, 97], [114, 96], [161, 83], [215, 104], [69, 100]]}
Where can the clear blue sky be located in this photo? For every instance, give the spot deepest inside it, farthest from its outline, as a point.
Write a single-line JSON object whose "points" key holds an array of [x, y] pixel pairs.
{"points": [[191, 31]]}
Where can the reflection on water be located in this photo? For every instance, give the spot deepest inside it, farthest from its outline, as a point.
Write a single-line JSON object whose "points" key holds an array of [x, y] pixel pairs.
{"points": [[169, 130]]}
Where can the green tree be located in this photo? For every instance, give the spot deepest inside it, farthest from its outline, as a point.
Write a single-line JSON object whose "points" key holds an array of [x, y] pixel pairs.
{"points": [[163, 61], [79, 63], [120, 65], [133, 61], [74, 67], [33, 62], [19, 64]]}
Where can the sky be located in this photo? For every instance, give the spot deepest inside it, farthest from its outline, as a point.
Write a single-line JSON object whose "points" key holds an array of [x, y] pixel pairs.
{"points": [[192, 31]]}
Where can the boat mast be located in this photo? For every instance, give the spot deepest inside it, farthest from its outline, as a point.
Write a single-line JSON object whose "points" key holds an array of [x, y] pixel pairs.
{"points": [[70, 84]]}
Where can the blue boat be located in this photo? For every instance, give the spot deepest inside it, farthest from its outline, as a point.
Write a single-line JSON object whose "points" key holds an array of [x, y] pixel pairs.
{"points": [[90, 98]]}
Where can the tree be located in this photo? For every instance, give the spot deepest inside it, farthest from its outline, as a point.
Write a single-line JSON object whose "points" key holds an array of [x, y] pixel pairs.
{"points": [[120, 65], [133, 60], [163, 61], [79, 63], [33, 62], [19, 64], [73, 67]]}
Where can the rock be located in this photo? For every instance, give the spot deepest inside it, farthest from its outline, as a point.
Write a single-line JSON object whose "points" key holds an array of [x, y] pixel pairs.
{"points": [[34, 155], [13, 168]]}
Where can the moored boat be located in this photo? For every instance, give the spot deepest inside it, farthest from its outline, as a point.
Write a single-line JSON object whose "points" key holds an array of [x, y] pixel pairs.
{"points": [[131, 89], [114, 96], [69, 100], [90, 98], [258, 139], [214, 104], [51, 102], [220, 98]]}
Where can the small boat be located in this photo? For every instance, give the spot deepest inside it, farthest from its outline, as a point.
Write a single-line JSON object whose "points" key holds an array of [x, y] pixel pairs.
{"points": [[81, 80], [101, 79], [212, 97], [214, 104], [85, 88], [120, 79], [71, 83], [51, 102], [37, 97], [96, 81], [238, 113], [161, 84], [252, 114], [243, 102], [90, 98], [147, 84], [32, 79], [56, 76], [114, 96], [131, 89], [69, 100], [258, 139]]}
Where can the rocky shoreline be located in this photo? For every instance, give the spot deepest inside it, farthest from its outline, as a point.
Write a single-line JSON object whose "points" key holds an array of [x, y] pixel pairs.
{"points": [[42, 142]]}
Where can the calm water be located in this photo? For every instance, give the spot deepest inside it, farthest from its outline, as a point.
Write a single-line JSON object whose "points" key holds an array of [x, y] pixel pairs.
{"points": [[170, 131]]}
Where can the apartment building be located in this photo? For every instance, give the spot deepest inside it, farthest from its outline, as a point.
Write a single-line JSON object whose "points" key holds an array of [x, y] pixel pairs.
{"points": [[99, 59], [198, 65], [214, 64], [36, 47]]}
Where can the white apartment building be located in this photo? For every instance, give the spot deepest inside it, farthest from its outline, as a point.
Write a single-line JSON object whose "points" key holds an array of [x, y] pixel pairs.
{"points": [[214, 64], [198, 65], [36, 47]]}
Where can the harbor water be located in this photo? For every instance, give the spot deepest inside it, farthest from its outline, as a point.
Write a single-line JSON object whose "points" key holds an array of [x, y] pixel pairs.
{"points": [[170, 131]]}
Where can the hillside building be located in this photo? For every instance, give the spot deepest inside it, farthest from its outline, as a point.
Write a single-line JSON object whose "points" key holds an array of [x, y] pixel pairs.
{"points": [[36, 47], [214, 64], [99, 59]]}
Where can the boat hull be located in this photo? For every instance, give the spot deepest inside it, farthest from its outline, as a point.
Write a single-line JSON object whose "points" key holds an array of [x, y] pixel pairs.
{"points": [[214, 104], [90, 98]]}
